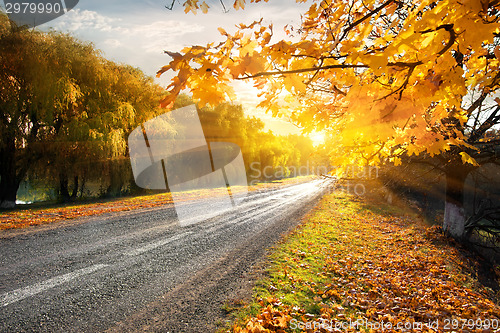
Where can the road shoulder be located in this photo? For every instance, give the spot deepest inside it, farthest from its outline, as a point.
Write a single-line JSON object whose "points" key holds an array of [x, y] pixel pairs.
{"points": [[355, 263]]}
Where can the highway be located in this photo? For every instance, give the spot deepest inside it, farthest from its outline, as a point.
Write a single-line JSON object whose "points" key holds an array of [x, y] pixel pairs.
{"points": [[140, 270]]}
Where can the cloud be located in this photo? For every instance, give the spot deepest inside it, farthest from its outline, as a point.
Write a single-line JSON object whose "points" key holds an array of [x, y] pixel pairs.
{"points": [[152, 37], [78, 19], [161, 35], [112, 43]]}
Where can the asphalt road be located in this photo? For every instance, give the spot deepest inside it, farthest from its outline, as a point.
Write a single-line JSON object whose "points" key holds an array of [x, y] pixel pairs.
{"points": [[141, 271]]}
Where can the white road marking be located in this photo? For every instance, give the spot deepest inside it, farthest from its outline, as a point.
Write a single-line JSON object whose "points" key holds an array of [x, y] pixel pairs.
{"points": [[22, 293], [154, 245], [301, 190]]}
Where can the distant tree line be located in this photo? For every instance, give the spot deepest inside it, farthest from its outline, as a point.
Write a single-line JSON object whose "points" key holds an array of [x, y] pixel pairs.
{"points": [[66, 112]]}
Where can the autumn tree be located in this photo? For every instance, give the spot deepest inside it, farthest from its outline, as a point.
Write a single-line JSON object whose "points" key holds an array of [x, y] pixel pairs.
{"points": [[387, 78], [65, 112], [33, 93]]}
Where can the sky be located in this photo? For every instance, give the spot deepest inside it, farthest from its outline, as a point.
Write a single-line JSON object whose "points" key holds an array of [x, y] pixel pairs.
{"points": [[137, 32]]}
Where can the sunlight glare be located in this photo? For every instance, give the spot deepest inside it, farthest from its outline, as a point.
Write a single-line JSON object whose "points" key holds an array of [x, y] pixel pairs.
{"points": [[317, 138]]}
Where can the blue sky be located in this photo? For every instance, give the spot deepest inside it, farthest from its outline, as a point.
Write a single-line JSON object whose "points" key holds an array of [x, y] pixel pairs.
{"points": [[137, 33]]}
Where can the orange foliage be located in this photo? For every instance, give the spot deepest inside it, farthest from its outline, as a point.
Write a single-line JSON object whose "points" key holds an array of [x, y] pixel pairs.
{"points": [[24, 218], [376, 268]]}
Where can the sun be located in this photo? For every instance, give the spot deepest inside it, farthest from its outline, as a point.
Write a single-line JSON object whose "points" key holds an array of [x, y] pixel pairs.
{"points": [[317, 138]]}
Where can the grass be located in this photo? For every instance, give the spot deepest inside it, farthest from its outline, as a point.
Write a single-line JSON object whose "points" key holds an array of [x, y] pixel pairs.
{"points": [[354, 259], [25, 217]]}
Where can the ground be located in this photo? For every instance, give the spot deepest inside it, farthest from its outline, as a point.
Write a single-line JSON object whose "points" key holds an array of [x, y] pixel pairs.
{"points": [[25, 216], [356, 263]]}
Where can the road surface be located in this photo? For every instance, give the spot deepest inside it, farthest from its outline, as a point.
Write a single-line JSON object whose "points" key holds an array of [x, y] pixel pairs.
{"points": [[141, 271]]}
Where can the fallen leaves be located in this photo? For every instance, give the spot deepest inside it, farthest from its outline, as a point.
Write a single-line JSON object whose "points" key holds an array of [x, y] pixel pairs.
{"points": [[348, 263], [23, 218]]}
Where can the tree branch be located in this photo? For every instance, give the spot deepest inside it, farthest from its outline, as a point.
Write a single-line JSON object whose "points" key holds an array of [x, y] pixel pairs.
{"points": [[492, 120], [362, 19], [302, 70]]}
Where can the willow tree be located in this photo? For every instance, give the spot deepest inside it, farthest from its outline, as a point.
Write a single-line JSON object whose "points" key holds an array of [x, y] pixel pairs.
{"points": [[387, 78], [62, 105], [35, 92]]}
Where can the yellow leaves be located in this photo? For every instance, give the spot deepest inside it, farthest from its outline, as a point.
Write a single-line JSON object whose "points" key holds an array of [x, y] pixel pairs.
{"points": [[406, 45], [466, 158], [239, 4], [377, 61], [272, 318], [248, 64], [308, 47], [349, 47], [497, 52], [191, 6], [237, 69], [438, 147], [428, 39], [475, 5], [204, 7], [266, 39], [163, 70], [222, 31], [389, 10], [251, 25], [412, 149], [472, 29], [402, 92], [209, 91], [282, 48], [254, 64], [294, 83], [23, 219], [462, 117], [248, 47], [177, 58]]}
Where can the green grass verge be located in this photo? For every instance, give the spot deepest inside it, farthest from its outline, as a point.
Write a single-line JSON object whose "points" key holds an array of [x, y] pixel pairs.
{"points": [[362, 260]]}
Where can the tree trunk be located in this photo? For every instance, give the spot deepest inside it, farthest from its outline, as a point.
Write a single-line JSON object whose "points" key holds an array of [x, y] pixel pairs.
{"points": [[82, 186], [63, 187], [9, 182], [454, 214], [75, 188], [116, 181]]}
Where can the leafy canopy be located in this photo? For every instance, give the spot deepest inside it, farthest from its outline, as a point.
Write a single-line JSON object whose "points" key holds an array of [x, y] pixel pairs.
{"points": [[384, 77]]}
